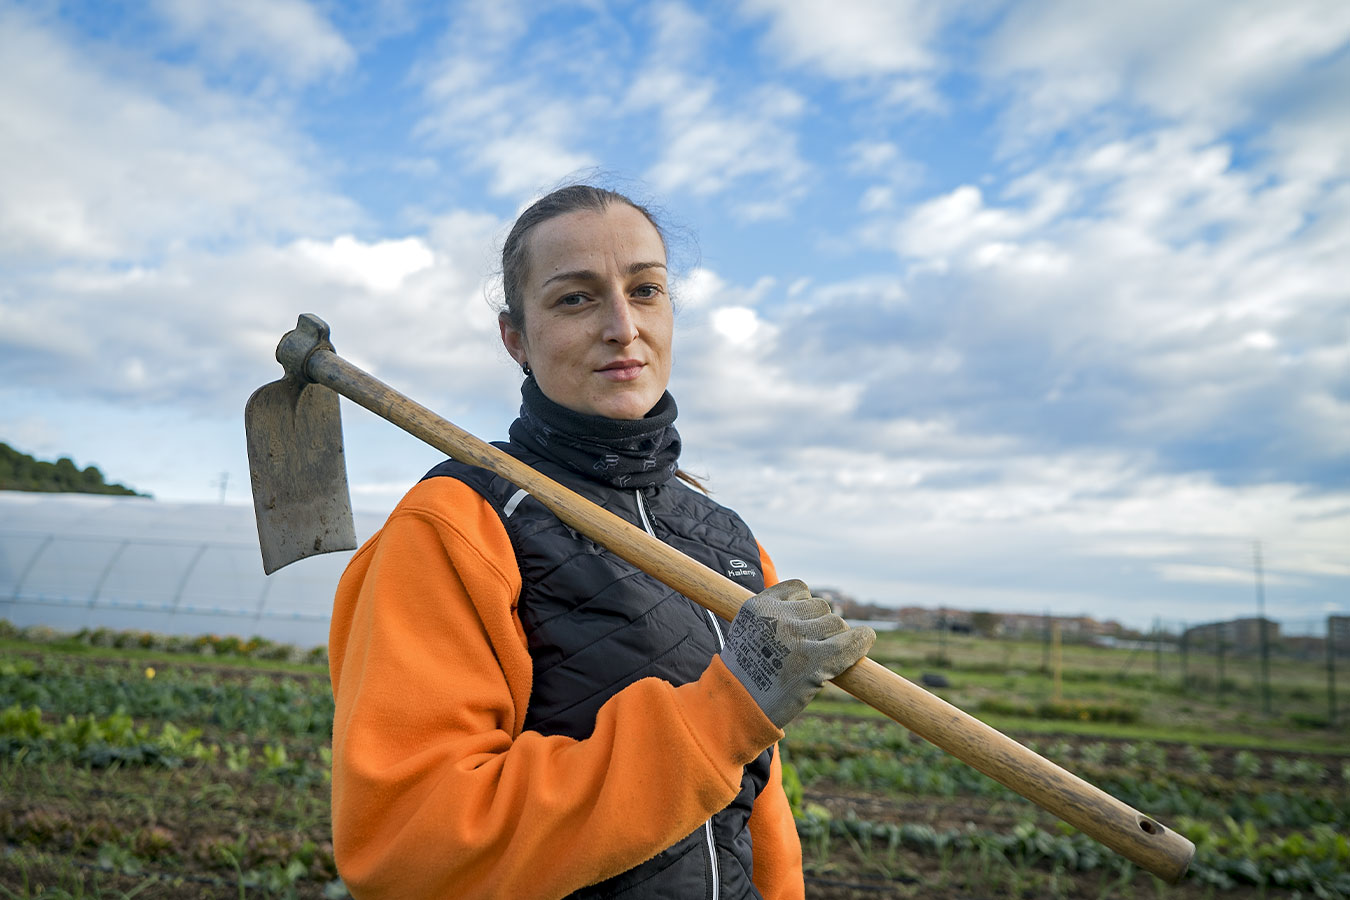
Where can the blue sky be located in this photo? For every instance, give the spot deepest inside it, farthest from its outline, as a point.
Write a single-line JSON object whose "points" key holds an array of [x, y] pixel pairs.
{"points": [[1018, 306]]}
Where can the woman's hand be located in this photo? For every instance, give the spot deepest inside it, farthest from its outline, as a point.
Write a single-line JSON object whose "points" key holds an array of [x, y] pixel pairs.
{"points": [[785, 644]]}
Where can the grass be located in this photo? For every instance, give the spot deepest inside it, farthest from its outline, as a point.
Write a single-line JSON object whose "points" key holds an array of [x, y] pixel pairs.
{"points": [[69, 646], [837, 703], [979, 668]]}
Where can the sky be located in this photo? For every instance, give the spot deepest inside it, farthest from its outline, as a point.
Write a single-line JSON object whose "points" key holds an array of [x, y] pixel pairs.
{"points": [[1039, 306]]}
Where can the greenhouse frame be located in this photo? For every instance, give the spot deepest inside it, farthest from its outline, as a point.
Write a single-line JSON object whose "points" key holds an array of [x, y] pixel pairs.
{"points": [[85, 561]]}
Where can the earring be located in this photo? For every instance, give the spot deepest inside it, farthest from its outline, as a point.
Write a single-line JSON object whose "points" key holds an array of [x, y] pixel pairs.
{"points": [[525, 367]]}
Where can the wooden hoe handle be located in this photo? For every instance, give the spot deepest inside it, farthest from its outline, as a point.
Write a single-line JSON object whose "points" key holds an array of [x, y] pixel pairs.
{"points": [[1130, 833]]}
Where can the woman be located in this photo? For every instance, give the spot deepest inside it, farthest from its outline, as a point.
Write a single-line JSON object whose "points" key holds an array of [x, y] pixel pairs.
{"points": [[520, 713]]}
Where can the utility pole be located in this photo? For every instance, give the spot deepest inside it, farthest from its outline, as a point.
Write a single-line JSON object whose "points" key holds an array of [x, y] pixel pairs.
{"points": [[1059, 659], [1157, 648], [1045, 646], [942, 637], [1183, 651], [1331, 673], [1261, 621], [1223, 645]]}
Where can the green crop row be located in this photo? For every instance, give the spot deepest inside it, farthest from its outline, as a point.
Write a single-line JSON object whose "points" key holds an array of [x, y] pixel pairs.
{"points": [[256, 647], [1278, 808], [275, 865], [841, 737], [1161, 795], [876, 770], [100, 742], [1062, 710], [838, 739], [283, 706], [1024, 842], [863, 756], [1316, 861], [94, 741]]}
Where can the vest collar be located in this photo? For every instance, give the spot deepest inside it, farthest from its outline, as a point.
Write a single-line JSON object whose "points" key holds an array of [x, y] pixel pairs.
{"points": [[623, 453]]}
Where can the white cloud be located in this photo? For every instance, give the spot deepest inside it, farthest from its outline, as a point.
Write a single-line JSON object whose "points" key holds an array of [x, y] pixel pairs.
{"points": [[698, 288], [874, 157], [173, 349], [708, 148], [1054, 376], [414, 309], [97, 166], [1312, 141], [724, 340], [1219, 575], [1211, 62], [681, 33], [877, 198], [380, 267], [642, 96], [290, 36], [1152, 279], [851, 38], [962, 223], [516, 129], [925, 514], [736, 324], [882, 161]]}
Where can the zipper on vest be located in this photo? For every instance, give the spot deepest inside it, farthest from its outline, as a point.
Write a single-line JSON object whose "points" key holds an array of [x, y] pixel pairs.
{"points": [[712, 860], [647, 526], [717, 630]]}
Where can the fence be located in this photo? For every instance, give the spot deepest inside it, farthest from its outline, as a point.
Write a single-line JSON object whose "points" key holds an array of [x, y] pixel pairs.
{"points": [[1298, 669], [1259, 658]]}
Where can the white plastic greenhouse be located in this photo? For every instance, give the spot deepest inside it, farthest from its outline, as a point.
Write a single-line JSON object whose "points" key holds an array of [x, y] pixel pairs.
{"points": [[72, 561]]}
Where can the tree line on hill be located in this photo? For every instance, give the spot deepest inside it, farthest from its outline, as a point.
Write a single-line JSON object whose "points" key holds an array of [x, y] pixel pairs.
{"points": [[21, 472]]}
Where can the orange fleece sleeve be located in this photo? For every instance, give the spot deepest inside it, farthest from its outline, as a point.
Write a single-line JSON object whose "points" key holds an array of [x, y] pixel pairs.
{"points": [[773, 830], [437, 790]]}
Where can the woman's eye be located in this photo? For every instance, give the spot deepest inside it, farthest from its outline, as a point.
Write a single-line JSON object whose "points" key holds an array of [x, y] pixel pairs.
{"points": [[648, 291], [572, 300]]}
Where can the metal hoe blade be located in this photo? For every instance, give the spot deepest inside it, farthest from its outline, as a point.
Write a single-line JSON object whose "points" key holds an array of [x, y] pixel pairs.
{"points": [[299, 472]]}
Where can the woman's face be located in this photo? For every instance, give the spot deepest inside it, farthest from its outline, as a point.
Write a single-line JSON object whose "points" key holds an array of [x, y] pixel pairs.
{"points": [[597, 312]]}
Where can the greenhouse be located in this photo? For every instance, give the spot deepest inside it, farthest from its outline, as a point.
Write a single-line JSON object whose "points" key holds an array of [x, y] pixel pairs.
{"points": [[75, 561]]}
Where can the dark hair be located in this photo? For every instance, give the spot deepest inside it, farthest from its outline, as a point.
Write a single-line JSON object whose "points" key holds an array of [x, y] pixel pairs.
{"points": [[569, 199]]}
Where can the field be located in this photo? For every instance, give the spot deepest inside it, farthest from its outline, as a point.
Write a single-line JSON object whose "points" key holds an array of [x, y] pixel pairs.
{"points": [[138, 766]]}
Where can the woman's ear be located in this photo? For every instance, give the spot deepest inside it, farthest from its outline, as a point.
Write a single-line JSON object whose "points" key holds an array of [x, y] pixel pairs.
{"points": [[512, 339]]}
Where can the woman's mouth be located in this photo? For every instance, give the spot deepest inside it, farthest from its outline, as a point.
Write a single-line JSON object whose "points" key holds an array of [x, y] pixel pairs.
{"points": [[621, 370]]}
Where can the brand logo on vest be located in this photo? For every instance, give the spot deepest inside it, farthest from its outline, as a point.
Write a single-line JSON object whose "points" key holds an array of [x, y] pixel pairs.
{"points": [[737, 568]]}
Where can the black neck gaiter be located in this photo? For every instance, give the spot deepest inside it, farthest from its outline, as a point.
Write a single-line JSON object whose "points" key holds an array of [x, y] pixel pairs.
{"points": [[624, 453]]}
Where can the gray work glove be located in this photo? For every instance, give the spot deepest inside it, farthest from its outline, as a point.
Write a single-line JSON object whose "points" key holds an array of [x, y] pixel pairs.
{"points": [[785, 644]]}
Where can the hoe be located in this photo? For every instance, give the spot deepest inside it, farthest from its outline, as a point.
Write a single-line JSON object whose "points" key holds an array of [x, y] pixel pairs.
{"points": [[303, 508]]}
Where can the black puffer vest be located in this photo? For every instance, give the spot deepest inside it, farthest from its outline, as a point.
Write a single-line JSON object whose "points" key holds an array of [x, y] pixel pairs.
{"points": [[595, 624]]}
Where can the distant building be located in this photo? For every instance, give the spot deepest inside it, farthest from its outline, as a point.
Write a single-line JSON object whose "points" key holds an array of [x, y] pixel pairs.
{"points": [[1024, 625], [918, 618], [851, 608], [946, 618], [1239, 635], [1073, 628]]}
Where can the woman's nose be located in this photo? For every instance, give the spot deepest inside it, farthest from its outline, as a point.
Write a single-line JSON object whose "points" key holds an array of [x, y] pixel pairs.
{"points": [[620, 325]]}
